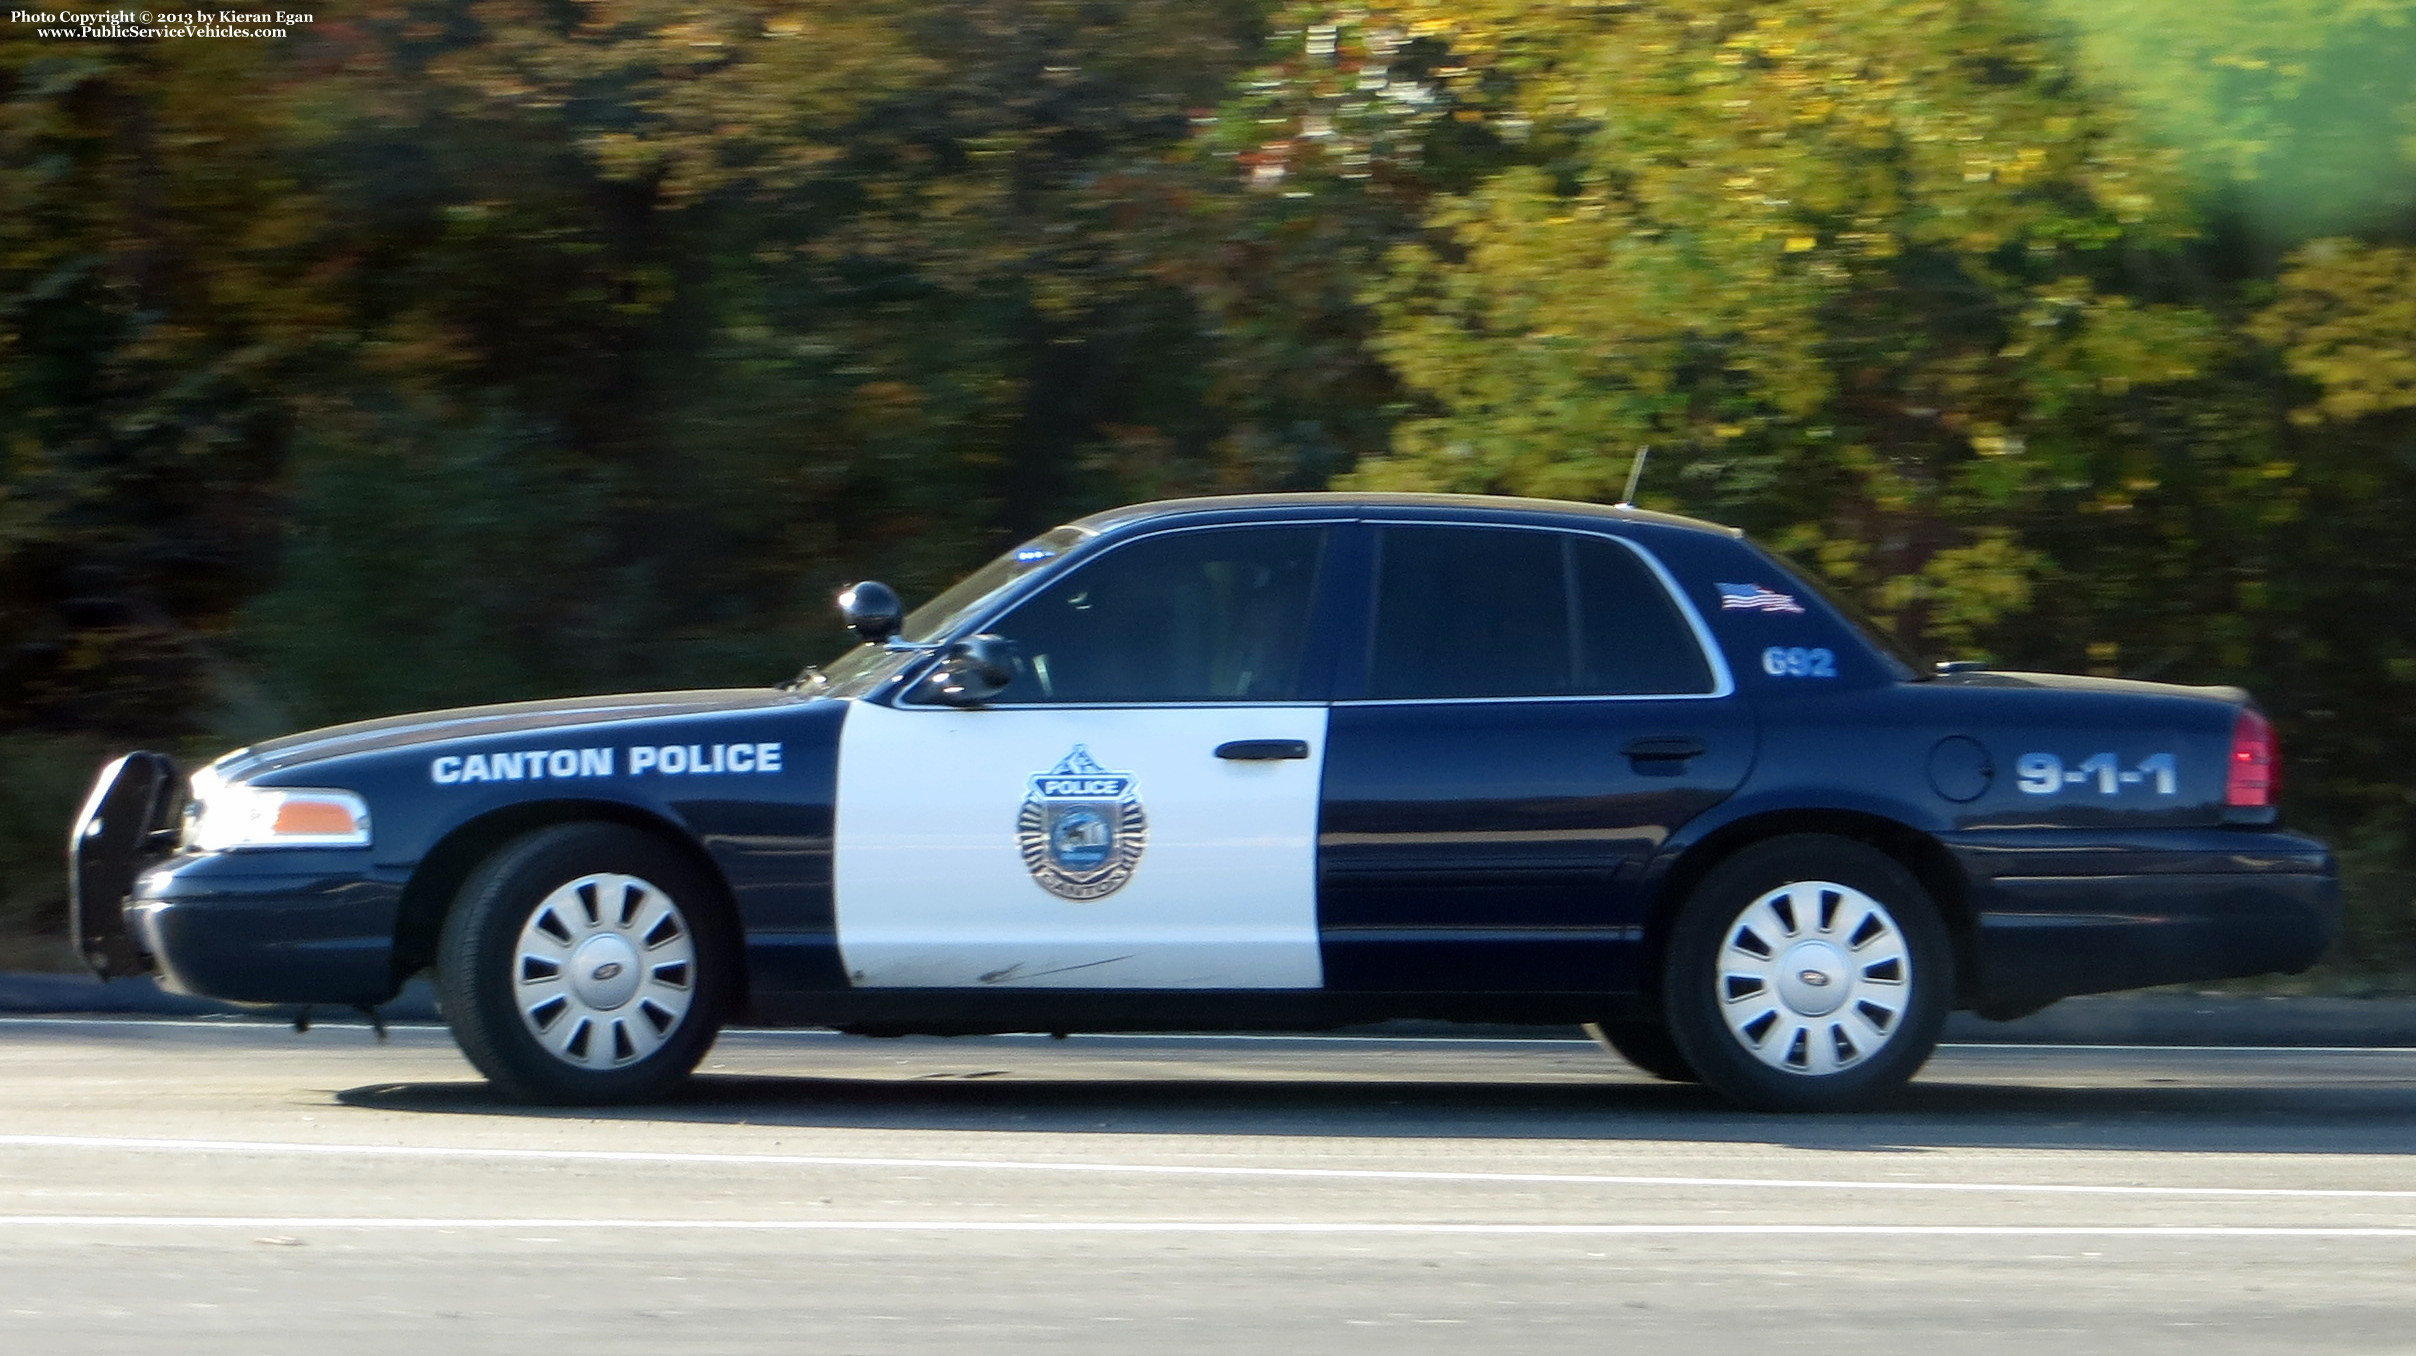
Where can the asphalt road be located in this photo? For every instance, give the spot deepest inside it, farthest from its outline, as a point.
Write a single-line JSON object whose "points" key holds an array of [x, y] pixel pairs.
{"points": [[239, 1188]]}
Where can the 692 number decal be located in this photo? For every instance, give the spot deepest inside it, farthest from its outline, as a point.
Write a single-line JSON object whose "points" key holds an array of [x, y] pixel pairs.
{"points": [[2044, 774], [1788, 661]]}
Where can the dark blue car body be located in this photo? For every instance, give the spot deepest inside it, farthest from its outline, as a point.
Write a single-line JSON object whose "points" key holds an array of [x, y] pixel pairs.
{"points": [[1515, 860]]}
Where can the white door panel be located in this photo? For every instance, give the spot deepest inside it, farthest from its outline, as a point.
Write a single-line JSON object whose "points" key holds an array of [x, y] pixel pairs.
{"points": [[949, 822]]}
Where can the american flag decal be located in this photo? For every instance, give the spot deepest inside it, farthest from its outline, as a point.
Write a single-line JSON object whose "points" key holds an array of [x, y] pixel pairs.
{"points": [[1755, 598]]}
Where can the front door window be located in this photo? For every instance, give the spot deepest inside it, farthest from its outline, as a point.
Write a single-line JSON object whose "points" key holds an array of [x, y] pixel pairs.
{"points": [[1216, 615]]}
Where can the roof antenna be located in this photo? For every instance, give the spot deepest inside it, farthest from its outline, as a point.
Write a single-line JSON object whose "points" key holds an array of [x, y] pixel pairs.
{"points": [[1635, 476]]}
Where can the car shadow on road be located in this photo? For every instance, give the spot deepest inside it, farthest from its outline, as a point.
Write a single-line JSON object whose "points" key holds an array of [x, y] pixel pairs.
{"points": [[2318, 1116]]}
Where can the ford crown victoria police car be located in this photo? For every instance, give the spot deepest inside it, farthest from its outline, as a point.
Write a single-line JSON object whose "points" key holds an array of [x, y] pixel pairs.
{"points": [[1271, 762]]}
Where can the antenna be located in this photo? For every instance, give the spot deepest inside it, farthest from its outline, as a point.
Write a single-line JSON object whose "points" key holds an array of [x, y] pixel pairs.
{"points": [[1635, 476]]}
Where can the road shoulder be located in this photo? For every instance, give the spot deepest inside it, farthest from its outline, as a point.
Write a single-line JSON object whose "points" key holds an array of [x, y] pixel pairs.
{"points": [[2108, 1019]]}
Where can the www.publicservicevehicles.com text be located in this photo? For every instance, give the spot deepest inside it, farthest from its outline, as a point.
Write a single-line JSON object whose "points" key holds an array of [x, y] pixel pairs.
{"points": [[143, 23]]}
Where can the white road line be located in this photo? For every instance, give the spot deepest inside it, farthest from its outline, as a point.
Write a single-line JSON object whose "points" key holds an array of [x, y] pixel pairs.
{"points": [[1258, 1227], [2036, 1047], [340, 1018], [275, 1148], [344, 1019]]}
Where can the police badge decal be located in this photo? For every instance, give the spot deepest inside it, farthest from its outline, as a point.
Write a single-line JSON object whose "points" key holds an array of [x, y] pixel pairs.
{"points": [[1081, 828]]}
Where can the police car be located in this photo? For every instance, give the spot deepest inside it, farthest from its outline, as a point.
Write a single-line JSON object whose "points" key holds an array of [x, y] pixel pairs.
{"points": [[1252, 763]]}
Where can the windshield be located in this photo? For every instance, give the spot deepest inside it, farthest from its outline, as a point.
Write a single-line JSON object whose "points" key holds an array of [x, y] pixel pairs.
{"points": [[969, 594]]}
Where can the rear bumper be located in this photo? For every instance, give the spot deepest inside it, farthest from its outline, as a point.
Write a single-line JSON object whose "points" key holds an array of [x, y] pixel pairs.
{"points": [[282, 927], [2060, 913]]}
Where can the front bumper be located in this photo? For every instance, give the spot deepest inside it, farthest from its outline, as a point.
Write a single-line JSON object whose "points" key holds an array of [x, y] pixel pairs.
{"points": [[2061, 912], [271, 927]]}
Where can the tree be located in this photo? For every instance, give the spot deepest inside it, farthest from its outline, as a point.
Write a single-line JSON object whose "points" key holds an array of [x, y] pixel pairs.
{"points": [[138, 406], [1858, 276]]}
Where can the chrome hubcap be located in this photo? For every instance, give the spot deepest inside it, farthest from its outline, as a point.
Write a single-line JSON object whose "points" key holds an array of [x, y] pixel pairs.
{"points": [[605, 971], [1814, 977]]}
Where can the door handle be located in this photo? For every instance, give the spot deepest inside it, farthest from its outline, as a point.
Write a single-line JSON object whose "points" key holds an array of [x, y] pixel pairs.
{"points": [[1263, 750], [1664, 749]]}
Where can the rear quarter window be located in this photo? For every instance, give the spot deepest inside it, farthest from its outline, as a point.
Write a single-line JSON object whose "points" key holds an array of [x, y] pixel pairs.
{"points": [[1782, 634]]}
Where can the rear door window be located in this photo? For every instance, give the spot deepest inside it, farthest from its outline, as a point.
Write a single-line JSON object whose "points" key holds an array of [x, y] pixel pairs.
{"points": [[1473, 612]]}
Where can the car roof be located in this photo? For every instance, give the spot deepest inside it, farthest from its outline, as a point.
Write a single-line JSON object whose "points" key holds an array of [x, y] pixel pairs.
{"points": [[1497, 507]]}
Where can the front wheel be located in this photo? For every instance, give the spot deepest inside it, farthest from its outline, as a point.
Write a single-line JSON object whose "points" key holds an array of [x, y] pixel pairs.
{"points": [[585, 963], [1807, 973]]}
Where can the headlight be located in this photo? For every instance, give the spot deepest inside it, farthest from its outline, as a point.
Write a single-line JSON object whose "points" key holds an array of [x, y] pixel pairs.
{"points": [[227, 815]]}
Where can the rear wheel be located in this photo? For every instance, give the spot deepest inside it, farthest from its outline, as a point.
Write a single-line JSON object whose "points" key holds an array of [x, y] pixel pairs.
{"points": [[1807, 973], [585, 963]]}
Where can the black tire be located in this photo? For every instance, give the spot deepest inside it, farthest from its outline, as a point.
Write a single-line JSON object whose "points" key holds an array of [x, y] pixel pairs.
{"points": [[1646, 1045], [640, 948], [1839, 1005]]}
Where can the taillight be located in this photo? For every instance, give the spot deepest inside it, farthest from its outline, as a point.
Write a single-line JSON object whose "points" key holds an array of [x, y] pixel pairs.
{"points": [[2256, 765]]}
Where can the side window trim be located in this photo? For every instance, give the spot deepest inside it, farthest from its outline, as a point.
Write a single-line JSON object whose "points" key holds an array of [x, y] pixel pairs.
{"points": [[1723, 679], [1319, 661], [1572, 605]]}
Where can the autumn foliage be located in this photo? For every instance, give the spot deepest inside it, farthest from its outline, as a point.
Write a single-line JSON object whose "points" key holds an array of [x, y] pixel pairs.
{"points": [[461, 350]]}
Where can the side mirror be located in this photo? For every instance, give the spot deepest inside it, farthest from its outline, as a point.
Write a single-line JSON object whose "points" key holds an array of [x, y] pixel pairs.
{"points": [[873, 609], [973, 671]]}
